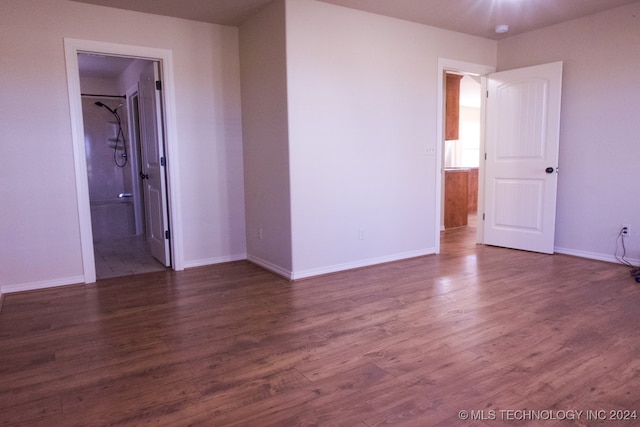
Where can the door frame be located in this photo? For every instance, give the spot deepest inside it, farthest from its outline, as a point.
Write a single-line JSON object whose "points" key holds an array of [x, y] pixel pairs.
{"points": [[165, 57], [460, 67]]}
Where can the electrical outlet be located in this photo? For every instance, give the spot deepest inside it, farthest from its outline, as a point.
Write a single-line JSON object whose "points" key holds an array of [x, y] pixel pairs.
{"points": [[625, 230]]}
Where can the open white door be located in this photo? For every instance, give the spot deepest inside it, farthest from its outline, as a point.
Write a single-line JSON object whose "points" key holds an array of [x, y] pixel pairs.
{"points": [[153, 166], [522, 139]]}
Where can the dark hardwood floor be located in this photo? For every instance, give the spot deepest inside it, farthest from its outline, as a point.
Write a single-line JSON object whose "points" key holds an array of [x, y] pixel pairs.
{"points": [[517, 335]]}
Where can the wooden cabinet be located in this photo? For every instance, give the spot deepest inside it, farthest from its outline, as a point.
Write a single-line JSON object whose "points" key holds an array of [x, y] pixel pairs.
{"points": [[452, 106], [456, 195], [460, 196]]}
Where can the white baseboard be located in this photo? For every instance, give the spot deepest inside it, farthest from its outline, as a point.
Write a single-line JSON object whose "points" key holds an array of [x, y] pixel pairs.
{"points": [[290, 275], [594, 255], [271, 267], [65, 281], [5, 289], [361, 263], [211, 261]]}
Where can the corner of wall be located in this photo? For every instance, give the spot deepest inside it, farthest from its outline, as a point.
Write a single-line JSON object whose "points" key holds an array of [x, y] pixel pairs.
{"points": [[265, 138], [275, 269]]}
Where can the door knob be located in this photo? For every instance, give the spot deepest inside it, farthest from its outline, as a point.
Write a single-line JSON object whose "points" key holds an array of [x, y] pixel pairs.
{"points": [[144, 175], [549, 170]]}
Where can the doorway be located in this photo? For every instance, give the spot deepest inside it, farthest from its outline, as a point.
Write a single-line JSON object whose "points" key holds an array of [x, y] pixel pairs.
{"points": [[519, 154], [461, 149], [458, 154], [163, 65], [113, 147]]}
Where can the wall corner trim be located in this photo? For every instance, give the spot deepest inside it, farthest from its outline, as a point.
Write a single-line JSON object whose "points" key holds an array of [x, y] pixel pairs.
{"points": [[271, 267], [216, 260]]}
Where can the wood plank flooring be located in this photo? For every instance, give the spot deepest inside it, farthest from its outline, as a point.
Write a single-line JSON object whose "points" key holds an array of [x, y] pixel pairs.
{"points": [[409, 343]]}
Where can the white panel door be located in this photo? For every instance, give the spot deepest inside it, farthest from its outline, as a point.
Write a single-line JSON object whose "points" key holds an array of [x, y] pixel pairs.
{"points": [[522, 139], [153, 167]]}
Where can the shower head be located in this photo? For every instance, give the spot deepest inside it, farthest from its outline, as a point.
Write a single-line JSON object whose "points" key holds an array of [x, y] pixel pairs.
{"points": [[100, 104]]}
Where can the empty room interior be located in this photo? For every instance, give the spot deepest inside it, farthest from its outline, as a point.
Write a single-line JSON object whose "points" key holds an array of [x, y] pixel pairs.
{"points": [[320, 212]]}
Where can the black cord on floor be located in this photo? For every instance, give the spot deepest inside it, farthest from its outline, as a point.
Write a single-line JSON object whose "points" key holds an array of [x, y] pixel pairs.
{"points": [[635, 271]]}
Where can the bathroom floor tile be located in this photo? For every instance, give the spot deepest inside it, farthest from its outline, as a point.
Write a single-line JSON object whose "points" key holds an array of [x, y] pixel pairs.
{"points": [[124, 256]]}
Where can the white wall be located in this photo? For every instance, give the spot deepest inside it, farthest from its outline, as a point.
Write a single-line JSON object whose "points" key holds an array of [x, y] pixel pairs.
{"points": [[265, 138], [39, 227], [470, 121], [599, 178], [336, 125], [362, 94]]}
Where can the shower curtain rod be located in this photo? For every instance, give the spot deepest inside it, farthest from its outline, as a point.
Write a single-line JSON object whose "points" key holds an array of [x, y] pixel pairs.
{"points": [[103, 96]]}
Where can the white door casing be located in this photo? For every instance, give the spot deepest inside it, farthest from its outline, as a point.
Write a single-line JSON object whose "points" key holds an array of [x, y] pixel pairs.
{"points": [[72, 48], [522, 141], [153, 167]]}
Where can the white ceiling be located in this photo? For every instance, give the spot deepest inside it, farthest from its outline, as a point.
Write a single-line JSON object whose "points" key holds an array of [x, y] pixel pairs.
{"points": [[102, 66], [476, 17]]}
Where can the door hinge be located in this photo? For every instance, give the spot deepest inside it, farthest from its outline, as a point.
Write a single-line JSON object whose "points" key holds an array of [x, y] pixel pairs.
{"points": [[158, 85], [487, 94], [485, 156], [163, 162], [167, 235], [483, 217]]}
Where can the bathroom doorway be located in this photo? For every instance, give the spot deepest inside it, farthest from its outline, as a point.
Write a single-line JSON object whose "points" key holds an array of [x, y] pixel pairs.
{"points": [[114, 137], [163, 61]]}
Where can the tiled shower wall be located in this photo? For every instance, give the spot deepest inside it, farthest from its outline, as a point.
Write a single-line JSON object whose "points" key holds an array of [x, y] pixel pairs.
{"points": [[110, 215]]}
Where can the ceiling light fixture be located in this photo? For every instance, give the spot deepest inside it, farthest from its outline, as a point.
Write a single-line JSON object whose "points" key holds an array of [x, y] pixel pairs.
{"points": [[502, 28]]}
